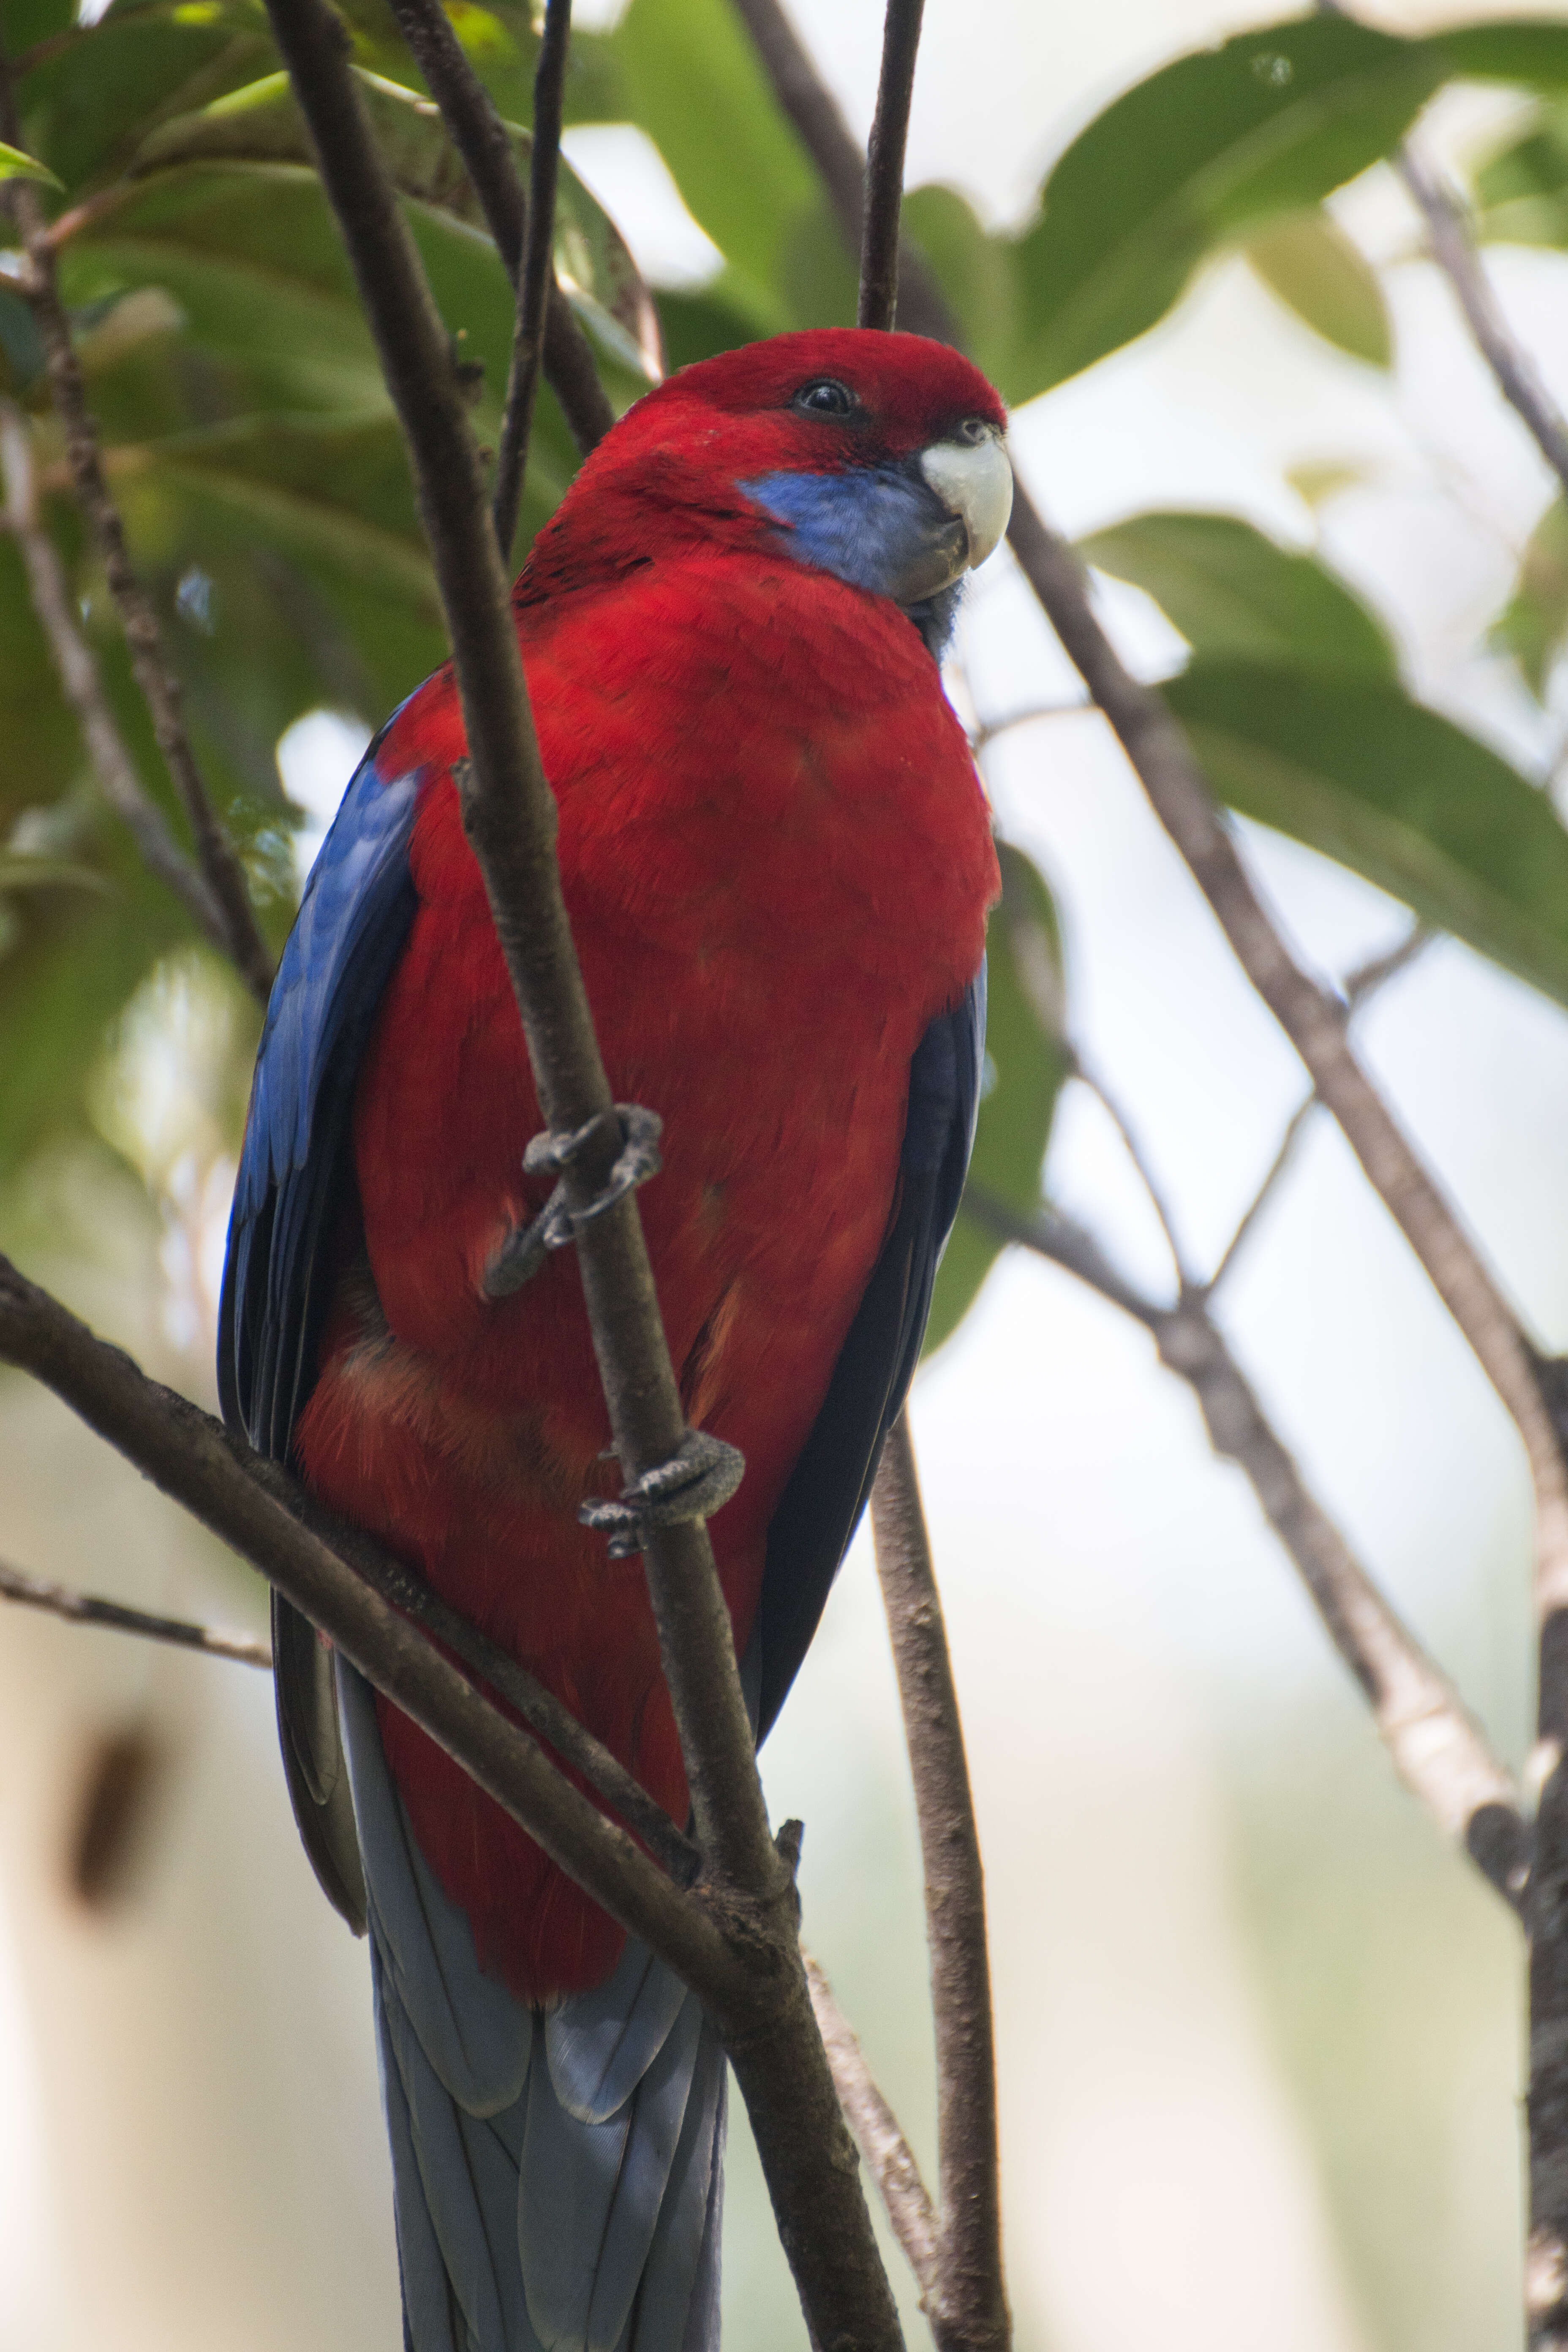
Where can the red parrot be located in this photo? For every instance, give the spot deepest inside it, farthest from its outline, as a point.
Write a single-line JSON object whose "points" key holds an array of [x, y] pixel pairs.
{"points": [[777, 863]]}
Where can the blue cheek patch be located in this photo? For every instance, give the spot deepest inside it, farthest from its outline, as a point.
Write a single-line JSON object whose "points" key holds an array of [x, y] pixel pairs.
{"points": [[868, 526]]}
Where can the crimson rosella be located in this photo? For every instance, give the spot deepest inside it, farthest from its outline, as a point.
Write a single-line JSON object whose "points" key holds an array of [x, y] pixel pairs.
{"points": [[777, 863]]}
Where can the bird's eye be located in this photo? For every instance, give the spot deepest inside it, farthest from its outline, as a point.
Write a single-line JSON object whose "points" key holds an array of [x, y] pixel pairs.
{"points": [[826, 397], [973, 430]]}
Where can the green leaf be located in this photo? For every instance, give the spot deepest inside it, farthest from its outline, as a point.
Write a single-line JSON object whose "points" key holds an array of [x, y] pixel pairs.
{"points": [[261, 125], [1307, 260], [691, 79], [1534, 622], [92, 96], [1350, 766], [1521, 188], [1027, 1066], [1204, 154], [16, 165], [1529, 53], [974, 270], [1230, 591]]}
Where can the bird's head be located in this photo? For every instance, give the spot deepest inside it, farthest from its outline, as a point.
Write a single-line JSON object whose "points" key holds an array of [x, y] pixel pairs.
{"points": [[877, 458]]}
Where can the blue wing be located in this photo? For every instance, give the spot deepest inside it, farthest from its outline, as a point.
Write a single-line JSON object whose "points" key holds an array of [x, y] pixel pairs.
{"points": [[293, 1188], [352, 924], [831, 1484]]}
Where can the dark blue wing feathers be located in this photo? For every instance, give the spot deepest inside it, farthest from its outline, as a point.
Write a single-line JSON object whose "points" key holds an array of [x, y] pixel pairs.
{"points": [[831, 1484], [352, 921]]}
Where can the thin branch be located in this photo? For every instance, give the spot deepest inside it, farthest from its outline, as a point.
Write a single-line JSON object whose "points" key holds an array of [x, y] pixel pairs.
{"points": [[112, 765], [215, 854], [840, 160], [89, 1609], [885, 164], [256, 1508], [1358, 988], [1438, 1750], [1454, 251], [482, 140], [510, 818], [879, 2137], [1158, 1198], [536, 276], [1295, 1127], [969, 2309], [986, 734]]}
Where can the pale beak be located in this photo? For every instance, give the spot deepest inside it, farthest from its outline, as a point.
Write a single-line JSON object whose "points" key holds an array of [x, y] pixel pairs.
{"points": [[975, 482]]}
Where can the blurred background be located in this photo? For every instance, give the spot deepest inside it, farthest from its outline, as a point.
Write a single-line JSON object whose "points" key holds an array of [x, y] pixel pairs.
{"points": [[1259, 2031]]}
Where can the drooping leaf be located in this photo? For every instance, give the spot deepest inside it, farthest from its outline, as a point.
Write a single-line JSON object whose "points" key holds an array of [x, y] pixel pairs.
{"points": [[974, 269], [1027, 1064], [93, 96], [1231, 591], [1203, 154], [1307, 260], [16, 165], [1521, 188], [1534, 622], [1352, 767]]}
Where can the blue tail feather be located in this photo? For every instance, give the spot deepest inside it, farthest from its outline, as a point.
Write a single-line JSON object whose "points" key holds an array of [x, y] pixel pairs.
{"points": [[558, 2180]]}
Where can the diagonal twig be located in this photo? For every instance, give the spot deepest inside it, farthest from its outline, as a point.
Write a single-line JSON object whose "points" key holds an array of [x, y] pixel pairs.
{"points": [[112, 765], [508, 811], [535, 276], [1438, 1750], [215, 854], [968, 2307], [480, 138], [879, 2137], [256, 1507], [90, 1609]]}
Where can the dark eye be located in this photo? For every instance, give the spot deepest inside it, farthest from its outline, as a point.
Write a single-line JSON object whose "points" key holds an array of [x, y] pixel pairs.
{"points": [[826, 397]]}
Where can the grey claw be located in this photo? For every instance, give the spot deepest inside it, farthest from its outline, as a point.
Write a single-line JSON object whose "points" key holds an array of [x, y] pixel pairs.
{"points": [[696, 1481]]}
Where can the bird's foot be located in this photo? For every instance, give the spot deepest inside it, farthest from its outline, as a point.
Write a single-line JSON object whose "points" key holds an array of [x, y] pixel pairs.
{"points": [[695, 1482], [523, 1252]]}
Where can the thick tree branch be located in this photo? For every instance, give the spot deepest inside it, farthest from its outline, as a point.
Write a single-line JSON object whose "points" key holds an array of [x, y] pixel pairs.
{"points": [[254, 1507], [113, 766], [90, 1609], [537, 275], [480, 138], [510, 817], [885, 164], [969, 2310], [215, 854], [1437, 1748], [879, 2137]]}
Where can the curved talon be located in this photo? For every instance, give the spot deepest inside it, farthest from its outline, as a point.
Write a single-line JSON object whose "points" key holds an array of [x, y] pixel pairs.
{"points": [[697, 1479], [523, 1252]]}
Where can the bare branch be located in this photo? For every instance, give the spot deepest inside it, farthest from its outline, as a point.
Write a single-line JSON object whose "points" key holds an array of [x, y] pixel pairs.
{"points": [[839, 157], [885, 164], [112, 765], [878, 2136], [480, 138], [87, 1609], [1357, 989], [536, 276], [510, 815], [969, 2309], [220, 866], [1158, 1198], [1438, 1750], [256, 1508], [1454, 251]]}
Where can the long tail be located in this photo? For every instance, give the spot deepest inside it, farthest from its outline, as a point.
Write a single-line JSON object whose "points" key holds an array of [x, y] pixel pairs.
{"points": [[558, 2178]]}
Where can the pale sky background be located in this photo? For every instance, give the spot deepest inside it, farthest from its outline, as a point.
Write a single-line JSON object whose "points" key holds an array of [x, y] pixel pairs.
{"points": [[1131, 1644]]}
